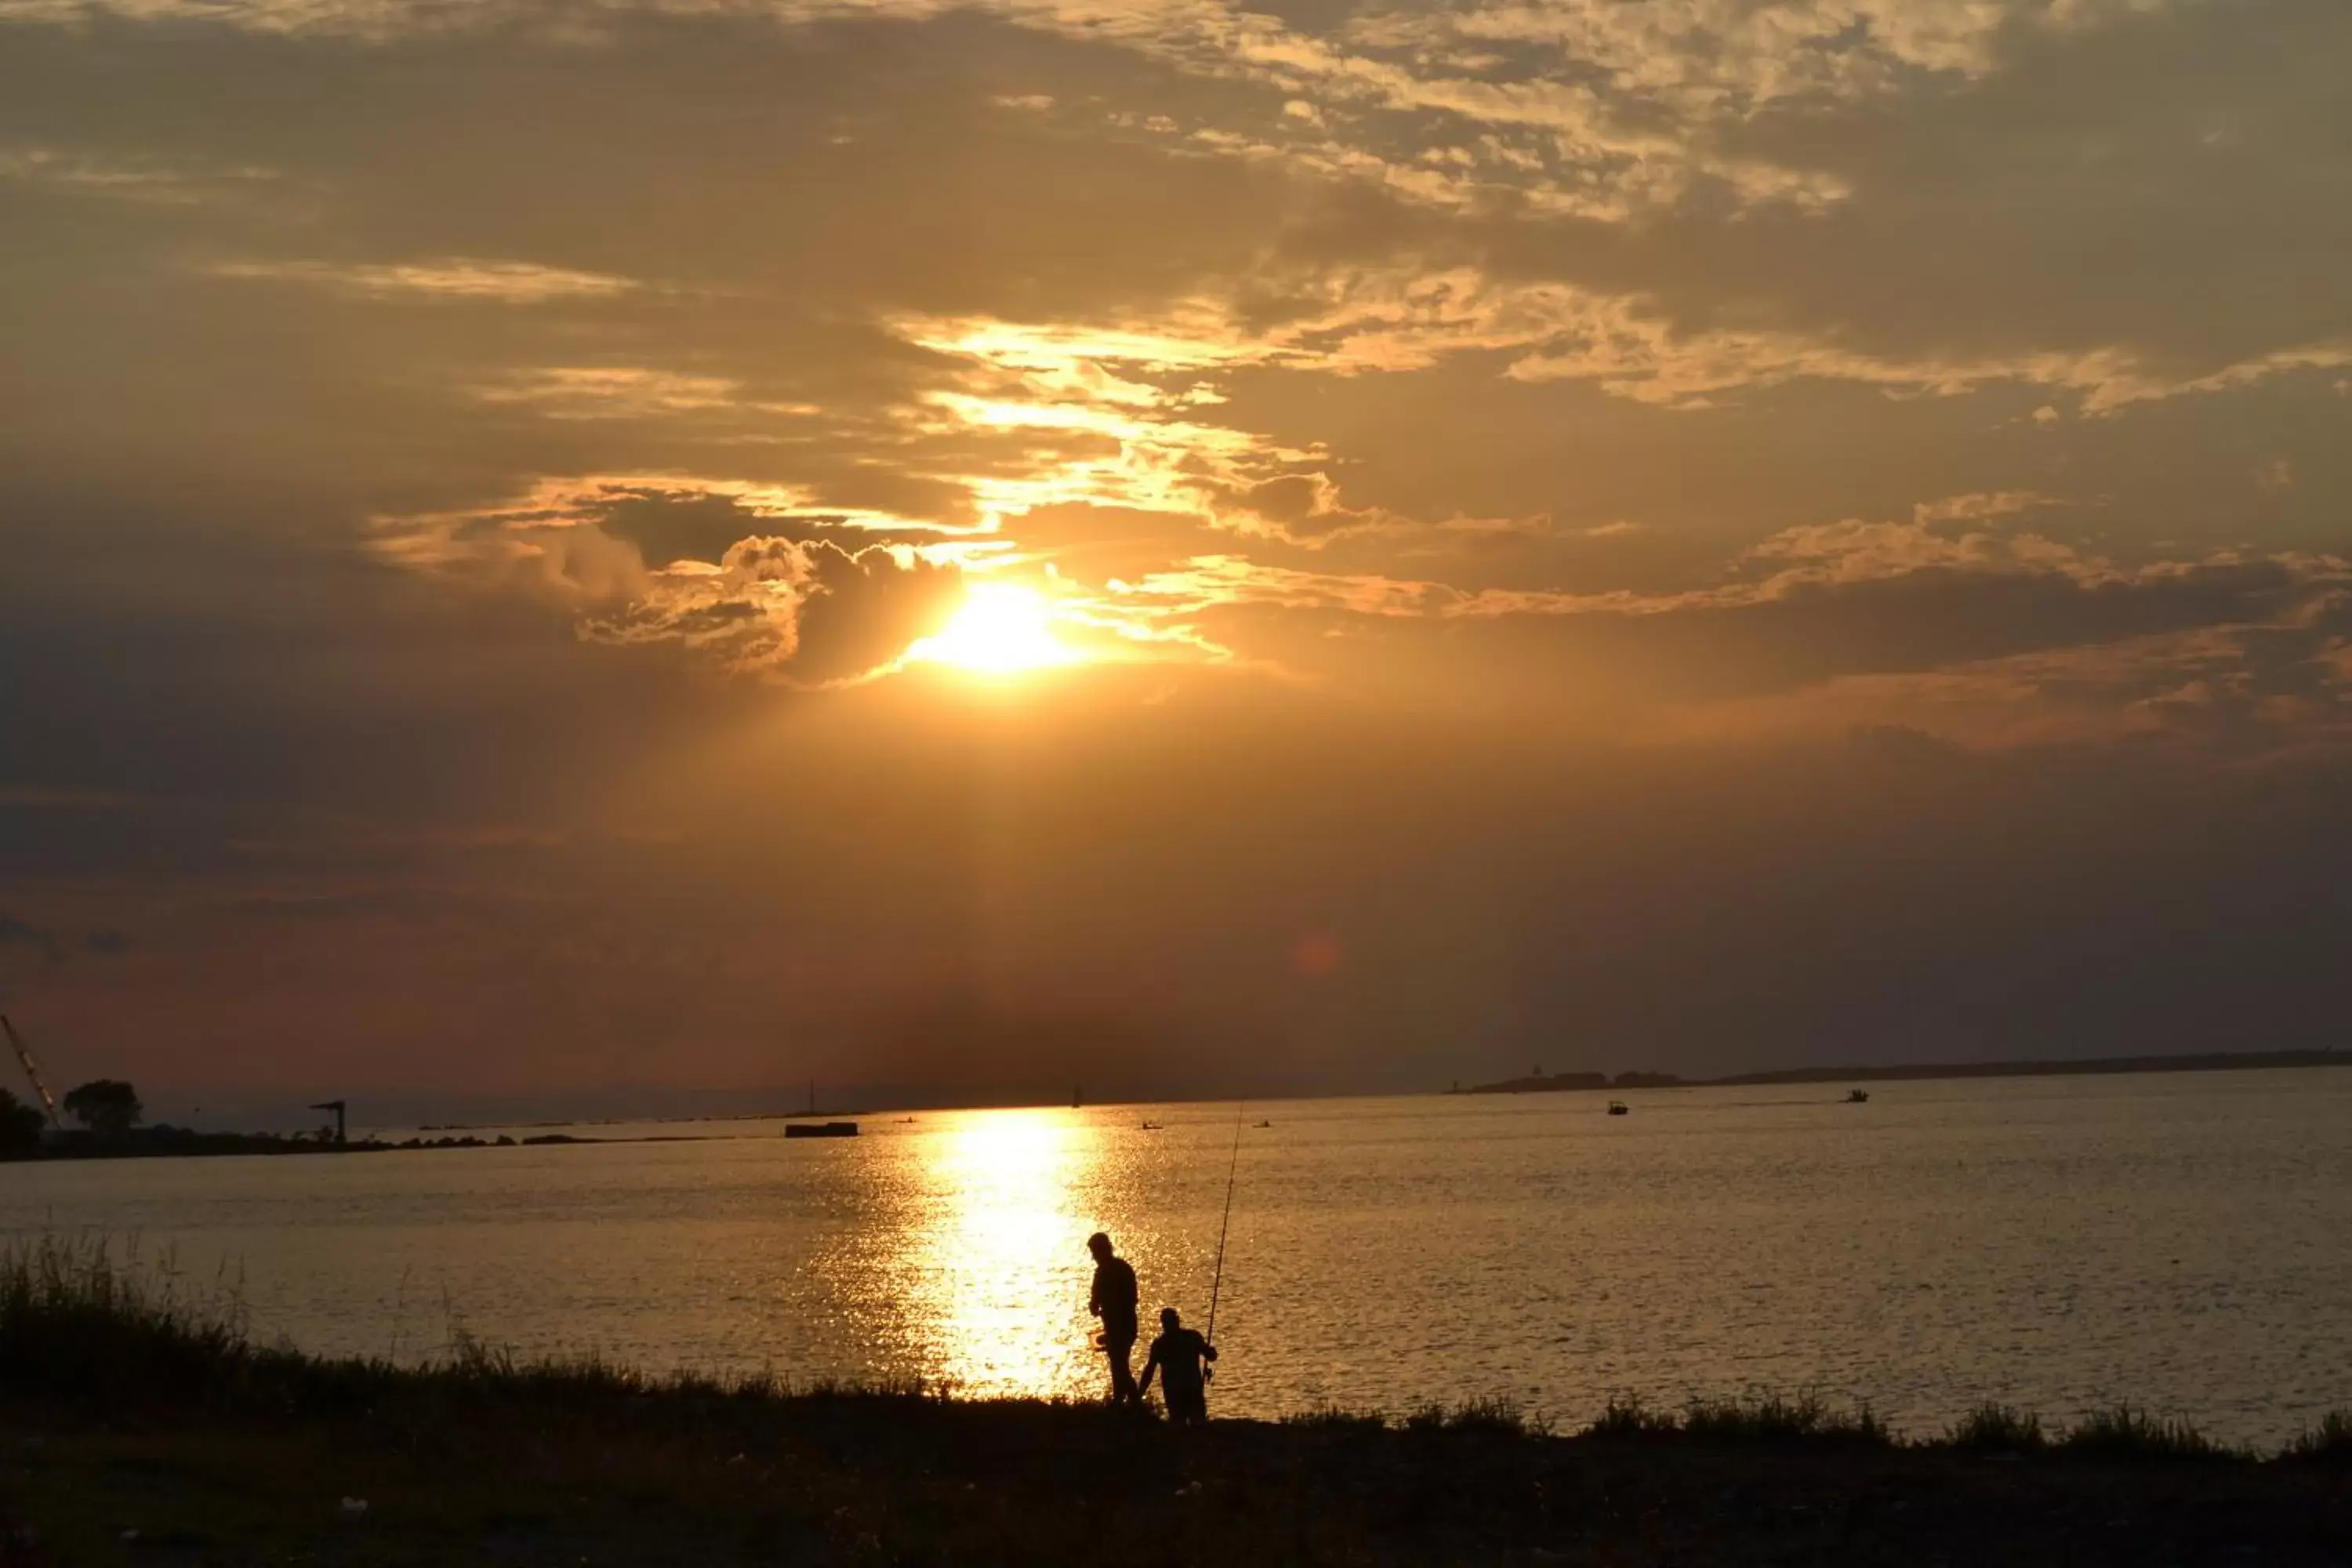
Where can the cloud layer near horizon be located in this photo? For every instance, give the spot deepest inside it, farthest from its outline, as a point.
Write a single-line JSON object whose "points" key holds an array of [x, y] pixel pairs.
{"points": [[475, 478]]}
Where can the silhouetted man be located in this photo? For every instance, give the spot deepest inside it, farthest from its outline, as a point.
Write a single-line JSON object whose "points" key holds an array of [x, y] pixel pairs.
{"points": [[1114, 1302], [1180, 1356]]}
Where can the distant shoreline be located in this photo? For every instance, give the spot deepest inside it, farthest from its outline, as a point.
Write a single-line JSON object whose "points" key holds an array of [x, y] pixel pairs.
{"points": [[166, 1142], [2072, 1067]]}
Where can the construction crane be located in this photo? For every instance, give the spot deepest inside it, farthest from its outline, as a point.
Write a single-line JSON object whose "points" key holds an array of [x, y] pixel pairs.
{"points": [[32, 1072], [337, 1106]]}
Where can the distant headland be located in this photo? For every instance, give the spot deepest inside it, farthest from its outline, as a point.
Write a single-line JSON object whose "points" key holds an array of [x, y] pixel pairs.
{"points": [[1540, 1082]]}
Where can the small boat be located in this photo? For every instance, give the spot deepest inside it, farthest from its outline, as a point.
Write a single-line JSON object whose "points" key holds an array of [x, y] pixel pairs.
{"points": [[1151, 1126], [1265, 1124], [1858, 1097], [1617, 1108], [821, 1130]]}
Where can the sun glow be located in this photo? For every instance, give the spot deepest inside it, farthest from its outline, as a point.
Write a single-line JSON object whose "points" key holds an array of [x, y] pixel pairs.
{"points": [[1001, 630]]}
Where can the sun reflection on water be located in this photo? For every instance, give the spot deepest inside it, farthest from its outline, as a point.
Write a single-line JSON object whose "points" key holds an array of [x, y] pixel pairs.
{"points": [[995, 1267]]}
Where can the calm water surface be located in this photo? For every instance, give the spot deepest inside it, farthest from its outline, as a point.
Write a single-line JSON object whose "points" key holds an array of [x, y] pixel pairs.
{"points": [[2183, 1242]]}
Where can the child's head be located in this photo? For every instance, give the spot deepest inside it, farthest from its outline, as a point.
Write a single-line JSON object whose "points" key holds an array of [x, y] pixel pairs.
{"points": [[1168, 1318]]}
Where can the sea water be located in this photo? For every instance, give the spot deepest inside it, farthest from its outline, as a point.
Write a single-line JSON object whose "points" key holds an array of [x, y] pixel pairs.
{"points": [[2182, 1242]]}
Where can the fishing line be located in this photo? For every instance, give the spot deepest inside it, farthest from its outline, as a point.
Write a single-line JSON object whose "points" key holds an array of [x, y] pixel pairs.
{"points": [[1218, 1286]]}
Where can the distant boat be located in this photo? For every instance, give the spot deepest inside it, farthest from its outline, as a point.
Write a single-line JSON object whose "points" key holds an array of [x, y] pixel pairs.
{"points": [[1265, 1124], [1151, 1126], [1617, 1108], [1858, 1097], [821, 1130]]}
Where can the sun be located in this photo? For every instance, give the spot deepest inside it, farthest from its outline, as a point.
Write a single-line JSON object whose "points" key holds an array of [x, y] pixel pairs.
{"points": [[1001, 629]]}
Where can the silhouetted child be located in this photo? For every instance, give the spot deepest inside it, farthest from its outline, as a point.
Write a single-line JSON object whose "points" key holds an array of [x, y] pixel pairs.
{"points": [[1179, 1356]]}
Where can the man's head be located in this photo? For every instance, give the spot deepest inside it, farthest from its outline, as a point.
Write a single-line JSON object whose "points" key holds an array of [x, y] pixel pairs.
{"points": [[1169, 1319], [1099, 1245]]}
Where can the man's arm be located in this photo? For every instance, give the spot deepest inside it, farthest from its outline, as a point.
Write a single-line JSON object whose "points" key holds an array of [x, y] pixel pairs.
{"points": [[1208, 1350], [1150, 1365], [1094, 1296]]}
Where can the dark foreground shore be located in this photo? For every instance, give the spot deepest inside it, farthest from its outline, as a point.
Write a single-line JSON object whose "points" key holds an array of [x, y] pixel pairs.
{"points": [[543, 1474], [132, 1432]]}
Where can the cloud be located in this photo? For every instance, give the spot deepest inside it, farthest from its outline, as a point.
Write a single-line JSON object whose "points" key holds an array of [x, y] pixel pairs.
{"points": [[1300, 507], [669, 524], [808, 614], [454, 278], [1572, 108], [827, 600], [748, 578], [1629, 346], [1512, 449], [151, 177], [1857, 552], [2247, 690], [611, 392], [1990, 638], [1978, 506], [1785, 567]]}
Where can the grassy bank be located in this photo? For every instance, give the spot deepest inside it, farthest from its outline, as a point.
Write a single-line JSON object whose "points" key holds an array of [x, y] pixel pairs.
{"points": [[141, 1427]]}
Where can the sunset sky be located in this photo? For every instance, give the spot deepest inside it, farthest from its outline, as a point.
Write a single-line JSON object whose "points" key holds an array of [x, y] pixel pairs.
{"points": [[639, 554]]}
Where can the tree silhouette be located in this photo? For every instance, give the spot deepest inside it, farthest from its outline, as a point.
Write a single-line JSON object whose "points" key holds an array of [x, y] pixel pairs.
{"points": [[105, 1106], [20, 1126]]}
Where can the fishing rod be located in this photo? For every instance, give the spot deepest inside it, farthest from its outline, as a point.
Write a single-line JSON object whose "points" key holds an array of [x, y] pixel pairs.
{"points": [[1218, 1285]]}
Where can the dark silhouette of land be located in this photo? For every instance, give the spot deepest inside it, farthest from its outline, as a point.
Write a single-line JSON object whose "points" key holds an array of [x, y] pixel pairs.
{"points": [[168, 1142], [2216, 1062]]}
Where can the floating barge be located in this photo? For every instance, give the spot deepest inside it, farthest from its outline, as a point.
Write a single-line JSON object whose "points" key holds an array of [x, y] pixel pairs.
{"points": [[821, 1130]]}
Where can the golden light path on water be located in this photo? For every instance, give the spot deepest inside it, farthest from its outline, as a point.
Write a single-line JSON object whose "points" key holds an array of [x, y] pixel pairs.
{"points": [[978, 1272], [1008, 1231]]}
